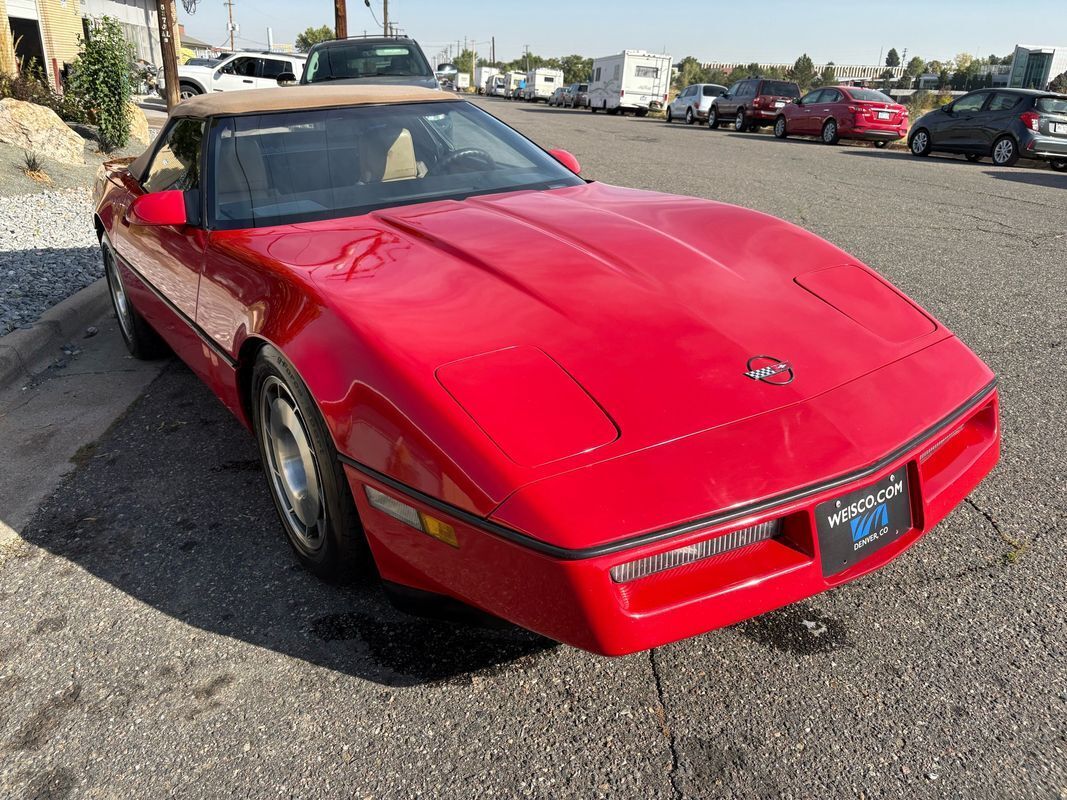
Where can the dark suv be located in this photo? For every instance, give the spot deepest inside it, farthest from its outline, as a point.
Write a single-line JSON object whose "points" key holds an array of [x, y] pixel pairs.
{"points": [[392, 60], [1004, 124], [752, 103]]}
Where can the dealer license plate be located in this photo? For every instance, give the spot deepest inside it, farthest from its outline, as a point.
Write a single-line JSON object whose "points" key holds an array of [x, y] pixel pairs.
{"points": [[862, 522], [883, 115]]}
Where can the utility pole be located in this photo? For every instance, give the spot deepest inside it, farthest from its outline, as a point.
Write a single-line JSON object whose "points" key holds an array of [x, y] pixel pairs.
{"points": [[340, 19], [168, 44], [385, 16], [270, 39], [492, 49], [229, 9]]}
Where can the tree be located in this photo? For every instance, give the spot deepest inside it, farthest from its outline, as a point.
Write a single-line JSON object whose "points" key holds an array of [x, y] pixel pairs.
{"points": [[690, 71], [576, 68], [312, 36], [803, 72], [1059, 83], [100, 79], [464, 61], [943, 78], [911, 73], [892, 58], [828, 76]]}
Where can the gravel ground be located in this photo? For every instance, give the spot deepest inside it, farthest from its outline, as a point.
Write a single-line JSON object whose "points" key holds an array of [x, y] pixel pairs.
{"points": [[158, 640], [48, 251]]}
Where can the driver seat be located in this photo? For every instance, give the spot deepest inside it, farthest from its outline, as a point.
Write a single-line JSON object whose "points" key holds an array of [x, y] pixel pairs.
{"points": [[387, 154]]}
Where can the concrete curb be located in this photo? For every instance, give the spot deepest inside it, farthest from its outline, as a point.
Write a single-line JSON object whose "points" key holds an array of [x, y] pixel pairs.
{"points": [[24, 351]]}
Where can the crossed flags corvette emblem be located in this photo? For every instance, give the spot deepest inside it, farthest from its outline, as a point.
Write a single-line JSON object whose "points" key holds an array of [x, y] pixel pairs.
{"points": [[769, 370]]}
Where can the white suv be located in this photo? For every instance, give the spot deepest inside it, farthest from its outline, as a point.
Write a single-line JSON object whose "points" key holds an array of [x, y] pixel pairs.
{"points": [[247, 69]]}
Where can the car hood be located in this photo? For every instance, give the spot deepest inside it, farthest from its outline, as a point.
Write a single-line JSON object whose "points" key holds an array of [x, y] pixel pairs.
{"points": [[654, 305]]}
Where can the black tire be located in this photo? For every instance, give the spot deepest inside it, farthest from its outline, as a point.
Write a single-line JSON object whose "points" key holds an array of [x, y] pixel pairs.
{"points": [[187, 90], [669, 118], [1058, 164], [974, 158], [141, 339], [880, 145], [740, 121], [1005, 152], [713, 117], [340, 548], [754, 127], [920, 143], [641, 112], [689, 118], [830, 134], [592, 108], [781, 130]]}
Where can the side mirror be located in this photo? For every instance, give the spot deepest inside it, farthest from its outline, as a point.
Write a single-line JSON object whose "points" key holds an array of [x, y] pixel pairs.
{"points": [[724, 94], [158, 208], [567, 159], [286, 78], [946, 108], [798, 101], [448, 69]]}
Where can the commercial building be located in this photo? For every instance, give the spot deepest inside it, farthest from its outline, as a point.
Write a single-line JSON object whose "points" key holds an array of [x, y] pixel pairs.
{"points": [[1034, 66]]}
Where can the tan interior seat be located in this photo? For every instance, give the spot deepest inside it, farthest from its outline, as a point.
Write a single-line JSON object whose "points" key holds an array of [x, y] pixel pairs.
{"points": [[387, 155]]}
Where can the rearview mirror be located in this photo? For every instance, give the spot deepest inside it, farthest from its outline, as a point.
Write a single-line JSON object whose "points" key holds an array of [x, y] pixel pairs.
{"points": [[567, 159], [286, 78], [158, 208]]}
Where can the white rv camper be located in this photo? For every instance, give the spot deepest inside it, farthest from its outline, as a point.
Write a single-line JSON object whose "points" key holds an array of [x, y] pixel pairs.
{"points": [[513, 80], [633, 80], [541, 82], [482, 76]]}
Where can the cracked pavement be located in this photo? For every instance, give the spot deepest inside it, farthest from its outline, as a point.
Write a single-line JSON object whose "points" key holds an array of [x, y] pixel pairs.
{"points": [[159, 640]]}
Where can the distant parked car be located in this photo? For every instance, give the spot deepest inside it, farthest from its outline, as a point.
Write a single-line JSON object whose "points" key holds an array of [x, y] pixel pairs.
{"points": [[843, 112], [752, 103], [693, 102], [1004, 124], [579, 98], [556, 98], [248, 69], [393, 60]]}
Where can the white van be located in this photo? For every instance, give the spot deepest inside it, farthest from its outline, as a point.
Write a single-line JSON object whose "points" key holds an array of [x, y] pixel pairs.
{"points": [[633, 80], [496, 86], [541, 82]]}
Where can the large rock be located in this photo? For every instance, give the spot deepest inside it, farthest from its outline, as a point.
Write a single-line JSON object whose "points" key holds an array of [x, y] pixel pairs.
{"points": [[138, 124], [39, 130]]}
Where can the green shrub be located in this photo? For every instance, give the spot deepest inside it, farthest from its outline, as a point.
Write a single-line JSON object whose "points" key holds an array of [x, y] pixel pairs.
{"points": [[100, 80], [31, 85]]}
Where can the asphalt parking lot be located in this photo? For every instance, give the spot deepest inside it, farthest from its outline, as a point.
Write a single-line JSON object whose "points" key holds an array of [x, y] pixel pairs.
{"points": [[158, 640]]}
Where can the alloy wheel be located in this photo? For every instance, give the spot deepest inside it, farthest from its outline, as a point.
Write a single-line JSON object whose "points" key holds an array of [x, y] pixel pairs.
{"points": [[294, 473], [920, 143], [118, 296], [739, 120], [1003, 152], [779, 128]]}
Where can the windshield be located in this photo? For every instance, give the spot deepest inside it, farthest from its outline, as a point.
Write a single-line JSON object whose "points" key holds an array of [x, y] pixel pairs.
{"points": [[280, 168], [366, 60], [1052, 105], [869, 95], [780, 89]]}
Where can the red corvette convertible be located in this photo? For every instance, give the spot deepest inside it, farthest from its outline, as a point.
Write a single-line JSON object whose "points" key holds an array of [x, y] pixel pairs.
{"points": [[615, 417]]}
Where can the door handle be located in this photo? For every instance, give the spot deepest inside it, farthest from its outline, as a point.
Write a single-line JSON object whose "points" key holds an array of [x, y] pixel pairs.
{"points": [[246, 80]]}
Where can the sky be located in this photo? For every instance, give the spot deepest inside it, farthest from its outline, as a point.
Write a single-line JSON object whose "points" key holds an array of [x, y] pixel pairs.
{"points": [[854, 32]]}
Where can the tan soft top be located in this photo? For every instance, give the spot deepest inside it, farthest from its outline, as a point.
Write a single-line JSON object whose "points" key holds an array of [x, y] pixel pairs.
{"points": [[290, 98]]}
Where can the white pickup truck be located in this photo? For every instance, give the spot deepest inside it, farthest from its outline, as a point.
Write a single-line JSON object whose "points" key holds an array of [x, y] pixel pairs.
{"points": [[247, 69]]}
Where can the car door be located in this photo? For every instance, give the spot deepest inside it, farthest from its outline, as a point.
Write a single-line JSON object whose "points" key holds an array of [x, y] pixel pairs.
{"points": [[270, 69], [830, 104], [803, 121], [726, 105], [678, 104], [1001, 111], [236, 74], [960, 131], [168, 259]]}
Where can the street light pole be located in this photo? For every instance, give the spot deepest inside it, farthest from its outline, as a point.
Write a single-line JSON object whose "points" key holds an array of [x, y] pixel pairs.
{"points": [[168, 38]]}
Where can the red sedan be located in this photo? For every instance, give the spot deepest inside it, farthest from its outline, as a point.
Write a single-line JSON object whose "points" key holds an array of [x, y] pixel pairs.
{"points": [[844, 112], [615, 417]]}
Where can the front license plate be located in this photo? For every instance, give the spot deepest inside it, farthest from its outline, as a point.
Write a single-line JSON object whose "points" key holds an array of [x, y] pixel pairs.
{"points": [[862, 522], [779, 104], [883, 115]]}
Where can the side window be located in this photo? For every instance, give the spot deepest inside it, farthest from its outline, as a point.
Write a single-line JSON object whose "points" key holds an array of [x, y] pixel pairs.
{"points": [[597, 74], [177, 162], [830, 96], [244, 66], [813, 97], [646, 72], [1004, 102], [615, 76], [272, 68], [734, 89], [971, 102]]}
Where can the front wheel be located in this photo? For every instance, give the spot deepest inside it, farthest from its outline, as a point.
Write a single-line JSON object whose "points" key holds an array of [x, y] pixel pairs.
{"points": [[739, 121], [920, 143], [829, 132], [140, 338], [1059, 164], [713, 118], [187, 90], [304, 476], [780, 128], [1005, 152]]}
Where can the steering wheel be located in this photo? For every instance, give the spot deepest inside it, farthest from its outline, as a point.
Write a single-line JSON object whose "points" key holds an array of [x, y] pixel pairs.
{"points": [[479, 161]]}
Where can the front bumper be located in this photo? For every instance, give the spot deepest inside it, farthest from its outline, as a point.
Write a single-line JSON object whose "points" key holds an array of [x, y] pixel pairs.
{"points": [[570, 595]]}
